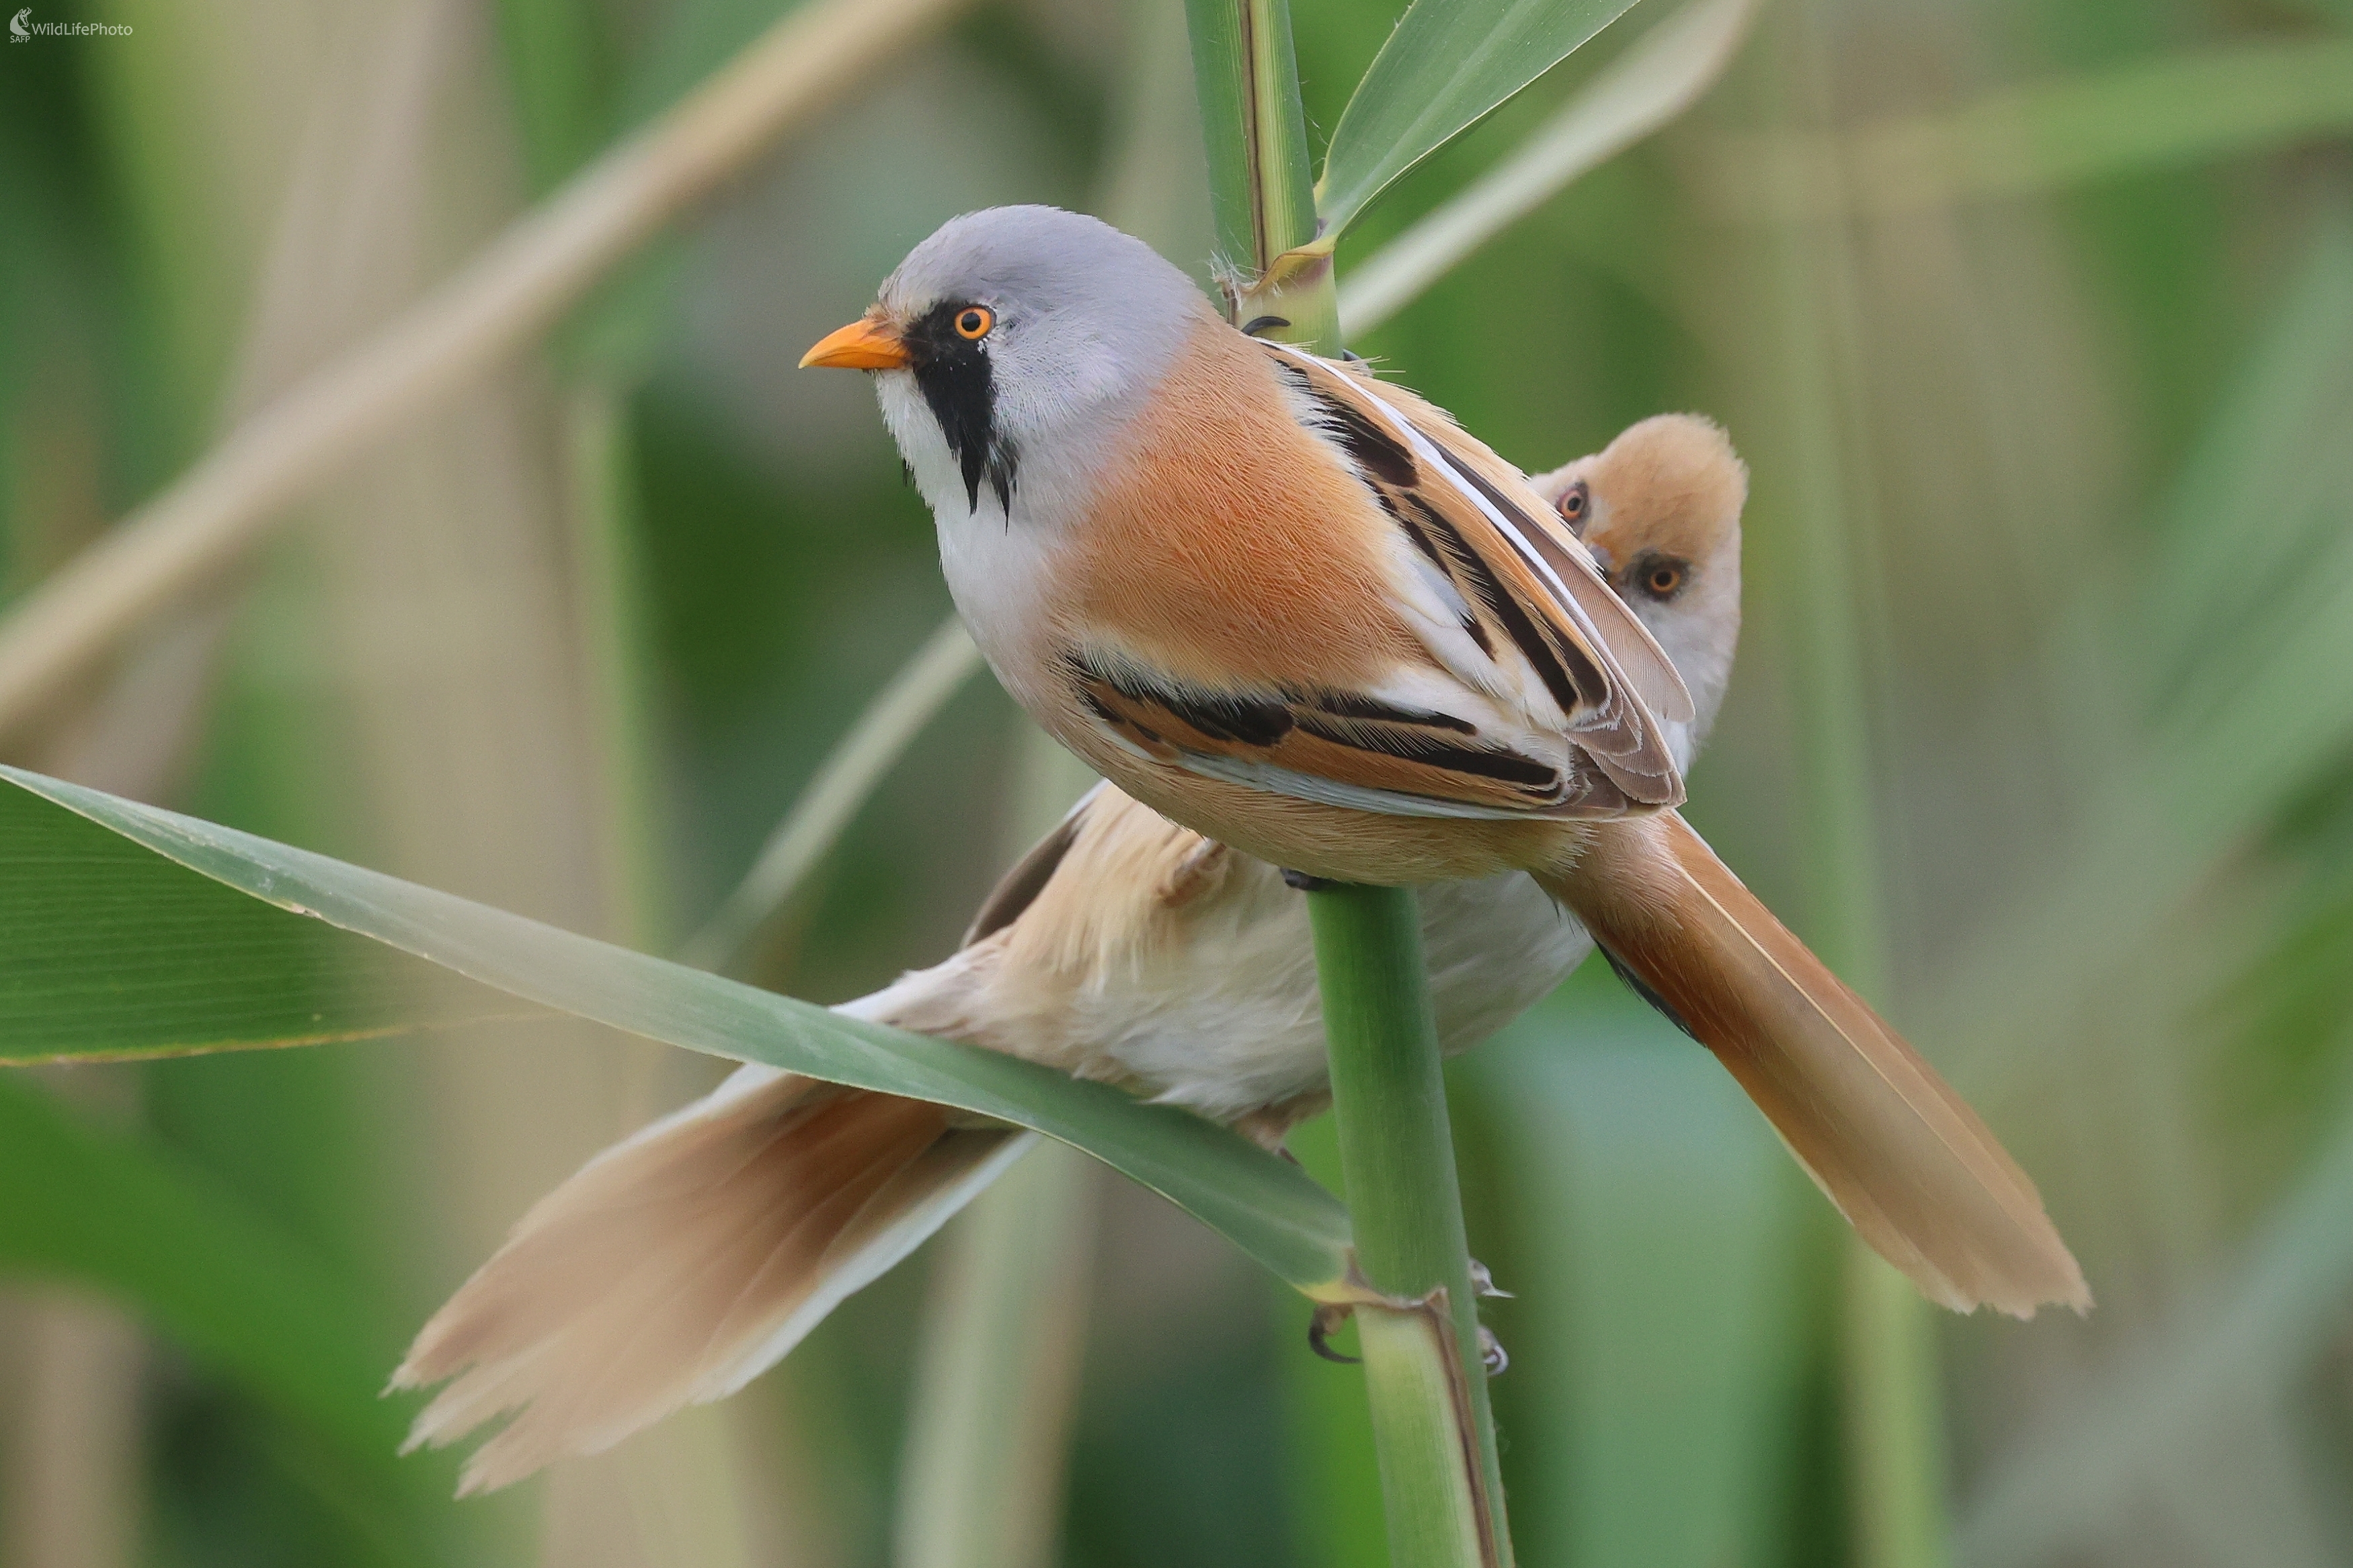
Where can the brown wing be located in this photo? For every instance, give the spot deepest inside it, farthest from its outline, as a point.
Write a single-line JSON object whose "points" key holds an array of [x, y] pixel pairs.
{"points": [[1526, 585], [1340, 747]]}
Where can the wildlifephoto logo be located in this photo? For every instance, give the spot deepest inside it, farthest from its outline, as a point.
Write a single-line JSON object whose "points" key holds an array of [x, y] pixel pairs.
{"points": [[23, 29]]}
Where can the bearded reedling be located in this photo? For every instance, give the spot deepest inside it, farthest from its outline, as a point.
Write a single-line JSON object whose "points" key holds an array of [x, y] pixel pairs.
{"points": [[1303, 613], [682, 1262]]}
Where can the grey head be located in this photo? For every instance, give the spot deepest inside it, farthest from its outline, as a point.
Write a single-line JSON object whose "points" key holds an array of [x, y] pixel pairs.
{"points": [[1029, 332]]}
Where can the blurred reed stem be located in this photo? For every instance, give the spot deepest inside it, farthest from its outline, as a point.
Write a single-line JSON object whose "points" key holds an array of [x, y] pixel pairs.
{"points": [[608, 593], [516, 288], [850, 773], [1893, 1412], [1005, 1333], [1660, 76], [984, 1477]]}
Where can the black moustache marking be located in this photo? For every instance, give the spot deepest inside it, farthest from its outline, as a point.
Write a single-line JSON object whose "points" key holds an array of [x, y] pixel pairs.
{"points": [[959, 385]]}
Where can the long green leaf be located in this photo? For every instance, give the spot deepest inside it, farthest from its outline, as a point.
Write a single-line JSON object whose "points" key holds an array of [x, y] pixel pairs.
{"points": [[106, 954], [1664, 73], [74, 974], [1450, 64], [2175, 110]]}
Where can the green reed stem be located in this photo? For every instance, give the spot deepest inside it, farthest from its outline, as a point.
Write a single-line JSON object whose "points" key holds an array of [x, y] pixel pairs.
{"points": [[1440, 1488], [1892, 1399], [1397, 1152], [1261, 182]]}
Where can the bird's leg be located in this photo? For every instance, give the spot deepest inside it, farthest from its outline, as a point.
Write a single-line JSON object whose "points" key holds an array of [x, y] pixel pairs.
{"points": [[1268, 1125], [1329, 1317]]}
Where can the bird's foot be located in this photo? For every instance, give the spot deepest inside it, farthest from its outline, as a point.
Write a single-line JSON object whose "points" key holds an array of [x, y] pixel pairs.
{"points": [[1327, 1318]]}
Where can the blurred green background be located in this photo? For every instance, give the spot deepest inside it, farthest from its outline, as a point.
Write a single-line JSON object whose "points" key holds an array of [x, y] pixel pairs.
{"points": [[2034, 321]]}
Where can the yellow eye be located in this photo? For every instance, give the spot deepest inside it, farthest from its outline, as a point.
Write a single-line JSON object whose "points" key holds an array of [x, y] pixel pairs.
{"points": [[1663, 579], [972, 322]]}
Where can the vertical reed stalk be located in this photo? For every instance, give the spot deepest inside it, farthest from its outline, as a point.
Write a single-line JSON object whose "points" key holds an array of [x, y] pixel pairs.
{"points": [[983, 1477], [1261, 186], [1441, 1482], [1423, 1367], [1888, 1361]]}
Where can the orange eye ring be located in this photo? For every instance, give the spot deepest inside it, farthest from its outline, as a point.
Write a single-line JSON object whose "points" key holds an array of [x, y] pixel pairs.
{"points": [[975, 322], [1663, 579]]}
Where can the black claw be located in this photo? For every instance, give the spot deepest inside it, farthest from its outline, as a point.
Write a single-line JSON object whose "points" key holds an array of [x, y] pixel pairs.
{"points": [[1305, 883], [1319, 1333], [1258, 324], [1490, 1352]]}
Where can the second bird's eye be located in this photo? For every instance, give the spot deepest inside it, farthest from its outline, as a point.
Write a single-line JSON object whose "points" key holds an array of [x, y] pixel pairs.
{"points": [[1663, 579], [1574, 502], [973, 322]]}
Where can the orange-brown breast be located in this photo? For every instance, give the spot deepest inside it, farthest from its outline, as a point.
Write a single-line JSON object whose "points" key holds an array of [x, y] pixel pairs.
{"points": [[1233, 545]]}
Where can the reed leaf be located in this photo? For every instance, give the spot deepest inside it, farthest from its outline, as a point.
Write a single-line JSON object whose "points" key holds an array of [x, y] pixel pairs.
{"points": [[1450, 64], [2222, 100], [64, 995], [1661, 74]]}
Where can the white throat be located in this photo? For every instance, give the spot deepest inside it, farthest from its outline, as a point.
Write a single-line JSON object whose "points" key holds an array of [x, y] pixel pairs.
{"points": [[999, 559]]}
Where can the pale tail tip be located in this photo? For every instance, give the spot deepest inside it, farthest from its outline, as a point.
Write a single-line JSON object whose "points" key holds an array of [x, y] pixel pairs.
{"points": [[2071, 1292]]}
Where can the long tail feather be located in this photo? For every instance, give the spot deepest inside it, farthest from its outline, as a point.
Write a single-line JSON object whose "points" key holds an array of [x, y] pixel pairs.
{"points": [[1903, 1157], [676, 1266]]}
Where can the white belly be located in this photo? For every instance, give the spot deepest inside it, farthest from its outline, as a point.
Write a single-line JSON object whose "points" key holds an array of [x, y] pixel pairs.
{"points": [[1229, 1020]]}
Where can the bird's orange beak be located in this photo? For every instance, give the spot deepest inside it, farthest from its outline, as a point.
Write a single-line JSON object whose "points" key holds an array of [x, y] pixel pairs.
{"points": [[864, 344]]}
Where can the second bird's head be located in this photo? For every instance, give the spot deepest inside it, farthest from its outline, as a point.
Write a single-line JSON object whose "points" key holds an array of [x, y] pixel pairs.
{"points": [[1010, 344]]}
